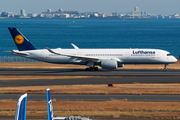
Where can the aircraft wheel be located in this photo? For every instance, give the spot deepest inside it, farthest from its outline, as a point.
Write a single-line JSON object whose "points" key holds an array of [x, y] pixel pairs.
{"points": [[96, 68], [165, 65], [87, 69], [91, 69]]}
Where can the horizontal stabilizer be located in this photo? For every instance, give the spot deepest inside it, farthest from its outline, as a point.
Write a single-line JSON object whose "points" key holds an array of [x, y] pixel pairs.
{"points": [[17, 53]]}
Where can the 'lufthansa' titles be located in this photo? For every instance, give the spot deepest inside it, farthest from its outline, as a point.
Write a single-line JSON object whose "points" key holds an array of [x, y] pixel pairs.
{"points": [[143, 52]]}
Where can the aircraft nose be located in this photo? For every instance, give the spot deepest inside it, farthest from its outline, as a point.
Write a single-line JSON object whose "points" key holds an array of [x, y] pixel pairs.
{"points": [[174, 59]]}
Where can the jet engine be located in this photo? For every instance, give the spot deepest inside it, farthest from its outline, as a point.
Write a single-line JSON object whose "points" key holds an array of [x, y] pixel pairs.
{"points": [[109, 64], [120, 65]]}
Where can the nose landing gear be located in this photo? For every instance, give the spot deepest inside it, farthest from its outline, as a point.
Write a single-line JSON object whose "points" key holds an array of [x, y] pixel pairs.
{"points": [[165, 69]]}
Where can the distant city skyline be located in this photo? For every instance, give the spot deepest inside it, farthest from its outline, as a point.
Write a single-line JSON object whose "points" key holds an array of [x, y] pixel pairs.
{"points": [[103, 6]]}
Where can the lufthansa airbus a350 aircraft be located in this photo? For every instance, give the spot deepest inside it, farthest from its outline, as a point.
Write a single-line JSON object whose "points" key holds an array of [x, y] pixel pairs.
{"points": [[106, 58]]}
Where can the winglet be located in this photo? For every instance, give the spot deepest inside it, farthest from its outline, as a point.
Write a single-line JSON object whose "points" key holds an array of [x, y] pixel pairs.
{"points": [[75, 47], [49, 106], [50, 50], [21, 108]]}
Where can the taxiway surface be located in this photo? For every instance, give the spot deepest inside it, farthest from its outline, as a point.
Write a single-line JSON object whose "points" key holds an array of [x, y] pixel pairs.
{"points": [[42, 97], [82, 72], [124, 76], [172, 79]]}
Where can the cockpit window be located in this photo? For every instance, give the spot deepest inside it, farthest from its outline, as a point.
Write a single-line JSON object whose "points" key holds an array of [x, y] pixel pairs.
{"points": [[169, 54]]}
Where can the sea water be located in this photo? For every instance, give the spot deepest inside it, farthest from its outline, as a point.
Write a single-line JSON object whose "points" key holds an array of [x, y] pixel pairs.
{"points": [[94, 33]]}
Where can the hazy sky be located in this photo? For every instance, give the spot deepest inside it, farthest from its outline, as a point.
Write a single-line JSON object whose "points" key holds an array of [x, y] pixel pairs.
{"points": [[103, 6]]}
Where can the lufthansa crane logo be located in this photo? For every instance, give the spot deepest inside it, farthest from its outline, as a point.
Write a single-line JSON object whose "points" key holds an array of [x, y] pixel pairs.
{"points": [[19, 39]]}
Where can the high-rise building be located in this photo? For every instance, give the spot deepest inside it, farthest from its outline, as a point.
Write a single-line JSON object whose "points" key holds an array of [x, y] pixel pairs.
{"points": [[115, 13], [22, 12], [136, 8], [144, 13], [136, 12]]}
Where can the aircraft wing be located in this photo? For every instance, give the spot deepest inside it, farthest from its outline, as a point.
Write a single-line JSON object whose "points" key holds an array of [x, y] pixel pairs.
{"points": [[74, 56]]}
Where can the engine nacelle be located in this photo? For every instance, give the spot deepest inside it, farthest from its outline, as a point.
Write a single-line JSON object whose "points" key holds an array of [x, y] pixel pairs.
{"points": [[120, 65], [109, 64]]}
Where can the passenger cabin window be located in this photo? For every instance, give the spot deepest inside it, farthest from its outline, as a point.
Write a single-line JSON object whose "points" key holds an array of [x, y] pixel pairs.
{"points": [[169, 54]]}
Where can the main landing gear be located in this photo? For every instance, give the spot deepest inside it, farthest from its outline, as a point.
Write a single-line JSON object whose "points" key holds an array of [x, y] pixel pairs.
{"points": [[92, 69], [165, 69]]}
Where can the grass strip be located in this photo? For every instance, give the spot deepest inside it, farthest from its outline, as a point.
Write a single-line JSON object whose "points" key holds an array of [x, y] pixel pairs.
{"points": [[39, 77], [113, 108], [131, 89]]}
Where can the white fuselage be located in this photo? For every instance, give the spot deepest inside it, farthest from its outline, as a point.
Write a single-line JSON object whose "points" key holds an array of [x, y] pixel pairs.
{"points": [[123, 56]]}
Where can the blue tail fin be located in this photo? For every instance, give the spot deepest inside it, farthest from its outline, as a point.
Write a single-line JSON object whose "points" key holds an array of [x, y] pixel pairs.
{"points": [[20, 40], [49, 106], [21, 108]]}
